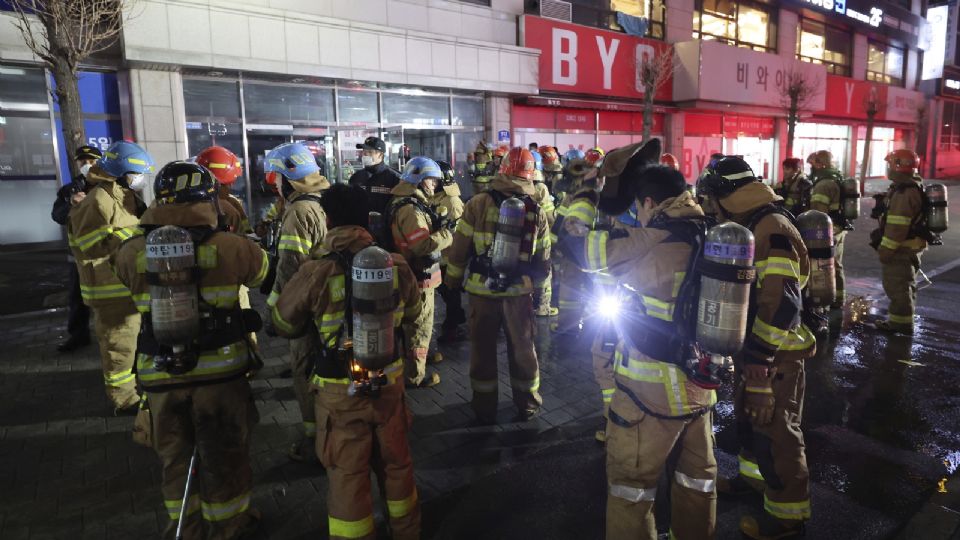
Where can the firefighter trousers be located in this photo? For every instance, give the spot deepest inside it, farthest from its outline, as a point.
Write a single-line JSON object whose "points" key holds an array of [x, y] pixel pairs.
{"points": [[602, 351], [514, 314], [542, 296], [243, 299], [78, 321], [900, 285], [573, 284], [300, 349], [117, 325], [217, 420], [453, 304], [637, 449], [772, 457], [418, 336], [357, 435], [838, 266]]}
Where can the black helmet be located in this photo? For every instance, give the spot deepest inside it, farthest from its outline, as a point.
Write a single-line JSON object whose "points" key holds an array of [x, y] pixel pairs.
{"points": [[724, 176], [182, 182], [447, 171]]}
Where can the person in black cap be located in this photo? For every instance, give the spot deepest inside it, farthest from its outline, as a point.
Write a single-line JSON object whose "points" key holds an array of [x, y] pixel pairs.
{"points": [[78, 321], [376, 178]]}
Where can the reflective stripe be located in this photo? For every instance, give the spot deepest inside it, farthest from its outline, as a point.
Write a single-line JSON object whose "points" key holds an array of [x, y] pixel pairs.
{"points": [[759, 389], [264, 269], [525, 385], [174, 506], [900, 319], [820, 198], [778, 266], [126, 233], [477, 284], [705, 486], [207, 256], [290, 242], [281, 323], [273, 298], [770, 334], [418, 236], [101, 292], [351, 529], [749, 469], [309, 429], [221, 297], [787, 510], [222, 361], [889, 243], [392, 372], [607, 394], [584, 211], [674, 381], [142, 302], [633, 494], [118, 378], [454, 270], [596, 250], [225, 510], [798, 339], [898, 220], [658, 308], [465, 228], [398, 509], [85, 241], [737, 176], [483, 386]]}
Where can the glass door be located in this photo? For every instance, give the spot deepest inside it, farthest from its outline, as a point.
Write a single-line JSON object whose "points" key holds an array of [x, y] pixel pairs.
{"points": [[347, 155], [259, 143]]}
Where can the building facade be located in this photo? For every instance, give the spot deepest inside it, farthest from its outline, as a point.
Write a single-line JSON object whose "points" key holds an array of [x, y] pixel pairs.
{"points": [[436, 77]]}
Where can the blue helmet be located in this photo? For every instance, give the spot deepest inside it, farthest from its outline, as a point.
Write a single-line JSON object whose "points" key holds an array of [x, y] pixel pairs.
{"points": [[574, 153], [629, 218], [419, 168], [125, 157], [538, 160], [293, 160]]}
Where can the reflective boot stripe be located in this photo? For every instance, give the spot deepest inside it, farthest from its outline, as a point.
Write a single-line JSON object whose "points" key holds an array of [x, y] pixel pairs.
{"points": [[633, 494], [483, 386], [350, 529], [749, 469], [173, 506], [310, 429], [697, 484], [226, 510], [398, 509], [118, 378], [787, 510]]}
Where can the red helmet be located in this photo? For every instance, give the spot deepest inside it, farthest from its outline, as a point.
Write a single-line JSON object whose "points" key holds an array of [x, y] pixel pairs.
{"points": [[223, 163], [793, 163], [271, 179], [501, 151], [670, 161], [594, 155], [903, 161], [518, 163], [549, 155]]}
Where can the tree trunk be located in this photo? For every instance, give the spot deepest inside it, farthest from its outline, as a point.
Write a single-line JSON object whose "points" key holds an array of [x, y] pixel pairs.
{"points": [[792, 117], [647, 112], [71, 118], [866, 152]]}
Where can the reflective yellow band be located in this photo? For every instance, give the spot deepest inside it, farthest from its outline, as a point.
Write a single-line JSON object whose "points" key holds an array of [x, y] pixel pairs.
{"points": [[584, 211], [100, 292], [778, 266], [350, 529], [119, 378], [888, 243], [281, 323], [701, 485], [454, 271], [142, 302], [749, 469], [820, 198], [222, 297], [596, 245], [900, 319], [787, 510], [126, 233], [309, 429], [525, 385], [273, 298], [770, 334], [174, 506], [264, 269], [85, 241], [297, 244], [658, 309], [225, 510], [898, 220], [398, 509], [759, 389], [484, 387], [465, 228]]}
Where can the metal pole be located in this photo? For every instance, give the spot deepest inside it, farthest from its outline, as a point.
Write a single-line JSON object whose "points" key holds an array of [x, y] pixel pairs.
{"points": [[191, 472]]}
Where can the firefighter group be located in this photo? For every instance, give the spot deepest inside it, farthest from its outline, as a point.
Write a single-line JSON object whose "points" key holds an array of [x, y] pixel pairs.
{"points": [[678, 286]]}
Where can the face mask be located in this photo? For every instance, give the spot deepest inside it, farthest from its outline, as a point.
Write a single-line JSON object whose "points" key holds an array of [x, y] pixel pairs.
{"points": [[367, 161], [84, 169], [136, 181]]}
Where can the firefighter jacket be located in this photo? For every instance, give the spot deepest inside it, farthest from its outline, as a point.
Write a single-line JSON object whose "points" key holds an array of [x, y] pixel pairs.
{"points": [[796, 193], [449, 198], [541, 195], [904, 213], [826, 194], [317, 293], [225, 261], [476, 231], [377, 181], [304, 226], [775, 333], [235, 217], [415, 235], [652, 264], [97, 226]]}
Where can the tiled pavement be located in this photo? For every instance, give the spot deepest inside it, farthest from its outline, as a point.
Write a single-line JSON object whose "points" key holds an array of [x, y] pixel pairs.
{"points": [[68, 469]]}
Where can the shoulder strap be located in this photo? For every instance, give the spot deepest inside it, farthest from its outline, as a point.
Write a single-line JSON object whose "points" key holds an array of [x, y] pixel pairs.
{"points": [[344, 261], [764, 211]]}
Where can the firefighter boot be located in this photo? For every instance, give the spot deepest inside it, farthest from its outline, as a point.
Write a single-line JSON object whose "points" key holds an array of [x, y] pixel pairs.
{"points": [[767, 527]]}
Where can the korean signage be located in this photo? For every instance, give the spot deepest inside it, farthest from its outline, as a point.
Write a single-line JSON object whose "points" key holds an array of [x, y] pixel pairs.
{"points": [[713, 71], [875, 15], [849, 98], [950, 83], [933, 59], [578, 59]]}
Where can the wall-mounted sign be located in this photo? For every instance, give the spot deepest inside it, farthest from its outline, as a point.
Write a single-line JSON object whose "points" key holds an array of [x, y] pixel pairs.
{"points": [[578, 59], [874, 17], [933, 59], [891, 20], [950, 83], [849, 98]]}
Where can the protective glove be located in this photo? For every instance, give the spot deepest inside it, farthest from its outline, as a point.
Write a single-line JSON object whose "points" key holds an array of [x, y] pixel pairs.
{"points": [[876, 236], [758, 400]]}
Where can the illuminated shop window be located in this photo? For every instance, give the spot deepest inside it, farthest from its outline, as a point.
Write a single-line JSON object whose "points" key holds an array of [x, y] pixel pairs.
{"points": [[741, 24], [653, 10], [819, 43], [950, 130], [884, 63]]}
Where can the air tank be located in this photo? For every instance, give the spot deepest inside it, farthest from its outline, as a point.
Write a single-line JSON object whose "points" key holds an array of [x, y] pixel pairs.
{"points": [[373, 303], [725, 289], [174, 305], [816, 229], [938, 218]]}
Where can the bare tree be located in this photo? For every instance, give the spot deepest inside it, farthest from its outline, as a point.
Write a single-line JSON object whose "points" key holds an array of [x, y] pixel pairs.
{"points": [[653, 71], [69, 31], [871, 106], [797, 94]]}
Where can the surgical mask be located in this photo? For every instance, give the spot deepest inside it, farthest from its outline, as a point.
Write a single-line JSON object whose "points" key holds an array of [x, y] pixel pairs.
{"points": [[367, 161], [137, 181], [85, 168]]}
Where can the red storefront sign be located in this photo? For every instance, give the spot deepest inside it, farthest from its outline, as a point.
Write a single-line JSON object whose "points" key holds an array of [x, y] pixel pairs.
{"points": [[747, 126], [848, 98], [582, 60], [576, 119], [550, 119]]}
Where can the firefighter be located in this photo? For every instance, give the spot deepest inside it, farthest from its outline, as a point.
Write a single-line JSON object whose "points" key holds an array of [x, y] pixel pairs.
{"points": [[795, 187], [226, 168], [98, 224], [552, 168], [481, 171], [356, 433], [900, 244], [649, 421], [420, 235], [572, 283], [199, 397], [376, 177], [769, 396], [543, 294], [825, 196], [448, 197], [502, 298], [303, 227]]}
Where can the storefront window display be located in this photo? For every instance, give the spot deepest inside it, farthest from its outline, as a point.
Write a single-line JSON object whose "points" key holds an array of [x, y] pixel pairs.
{"points": [[742, 24], [651, 10], [950, 130], [885, 63], [731, 134], [812, 137], [882, 143], [820, 43]]}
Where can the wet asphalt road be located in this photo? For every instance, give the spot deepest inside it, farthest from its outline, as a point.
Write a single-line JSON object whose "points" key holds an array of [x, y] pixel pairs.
{"points": [[882, 428]]}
